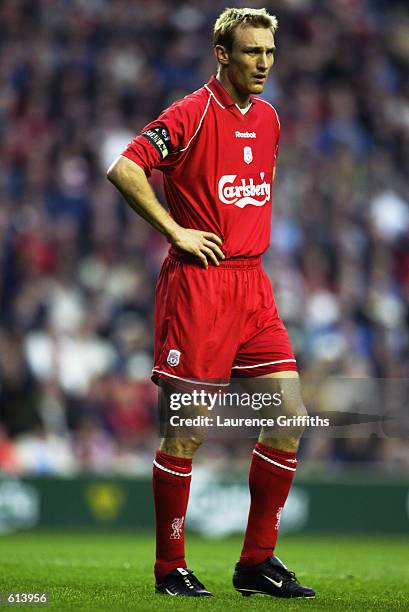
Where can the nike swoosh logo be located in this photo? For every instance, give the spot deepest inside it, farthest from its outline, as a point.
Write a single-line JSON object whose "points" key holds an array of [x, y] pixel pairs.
{"points": [[277, 584]]}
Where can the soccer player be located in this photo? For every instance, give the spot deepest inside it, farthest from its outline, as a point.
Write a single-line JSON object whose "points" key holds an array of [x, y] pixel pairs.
{"points": [[214, 310]]}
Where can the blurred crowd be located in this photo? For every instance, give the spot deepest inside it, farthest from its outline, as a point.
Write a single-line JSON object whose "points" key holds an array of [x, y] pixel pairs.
{"points": [[78, 79]]}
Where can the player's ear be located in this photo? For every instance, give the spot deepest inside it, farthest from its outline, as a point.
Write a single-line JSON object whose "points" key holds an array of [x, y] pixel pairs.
{"points": [[222, 55]]}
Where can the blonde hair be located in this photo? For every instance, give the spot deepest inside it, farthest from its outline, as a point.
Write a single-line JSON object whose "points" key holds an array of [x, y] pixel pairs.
{"points": [[232, 18]]}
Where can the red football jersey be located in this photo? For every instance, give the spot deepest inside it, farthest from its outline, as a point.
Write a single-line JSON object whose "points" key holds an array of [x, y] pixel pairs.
{"points": [[217, 164]]}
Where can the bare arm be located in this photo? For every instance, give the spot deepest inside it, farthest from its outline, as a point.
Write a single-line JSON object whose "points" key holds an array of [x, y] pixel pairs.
{"points": [[131, 181]]}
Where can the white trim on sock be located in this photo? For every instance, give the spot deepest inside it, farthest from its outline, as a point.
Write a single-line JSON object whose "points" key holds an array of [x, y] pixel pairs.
{"points": [[285, 467], [156, 464]]}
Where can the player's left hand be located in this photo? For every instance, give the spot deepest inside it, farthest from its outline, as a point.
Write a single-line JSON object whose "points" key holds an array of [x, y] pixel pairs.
{"points": [[204, 245]]}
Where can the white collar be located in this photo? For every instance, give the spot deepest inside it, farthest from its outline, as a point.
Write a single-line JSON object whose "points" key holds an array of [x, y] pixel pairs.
{"points": [[244, 110]]}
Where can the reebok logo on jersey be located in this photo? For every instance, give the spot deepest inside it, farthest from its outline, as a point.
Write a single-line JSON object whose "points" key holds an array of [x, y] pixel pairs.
{"points": [[246, 134], [160, 139], [243, 192]]}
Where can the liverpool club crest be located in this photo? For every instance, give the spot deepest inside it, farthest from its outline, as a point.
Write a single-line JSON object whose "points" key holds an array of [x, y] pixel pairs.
{"points": [[173, 357], [248, 155]]}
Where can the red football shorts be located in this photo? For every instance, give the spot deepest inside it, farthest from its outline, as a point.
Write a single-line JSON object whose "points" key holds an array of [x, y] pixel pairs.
{"points": [[214, 324]]}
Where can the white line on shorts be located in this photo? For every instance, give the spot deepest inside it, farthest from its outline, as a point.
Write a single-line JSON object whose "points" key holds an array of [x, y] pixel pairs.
{"points": [[194, 382], [259, 365]]}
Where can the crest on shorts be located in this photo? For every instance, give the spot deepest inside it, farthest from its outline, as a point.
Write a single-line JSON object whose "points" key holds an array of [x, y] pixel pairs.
{"points": [[248, 155], [173, 357]]}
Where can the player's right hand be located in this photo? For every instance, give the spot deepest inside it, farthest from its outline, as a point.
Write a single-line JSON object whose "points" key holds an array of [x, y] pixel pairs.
{"points": [[204, 245]]}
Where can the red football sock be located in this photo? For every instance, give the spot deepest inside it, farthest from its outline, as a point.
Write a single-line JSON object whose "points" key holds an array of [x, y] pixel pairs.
{"points": [[171, 485], [271, 474]]}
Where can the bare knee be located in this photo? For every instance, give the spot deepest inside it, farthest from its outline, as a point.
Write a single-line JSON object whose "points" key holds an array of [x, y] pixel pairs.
{"points": [[286, 438], [180, 447], [289, 445]]}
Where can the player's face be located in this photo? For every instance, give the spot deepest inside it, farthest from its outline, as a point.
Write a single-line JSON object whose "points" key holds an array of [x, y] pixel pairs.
{"points": [[250, 60]]}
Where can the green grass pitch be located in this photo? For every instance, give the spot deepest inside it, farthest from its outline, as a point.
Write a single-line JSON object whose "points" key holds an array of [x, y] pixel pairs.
{"points": [[113, 572]]}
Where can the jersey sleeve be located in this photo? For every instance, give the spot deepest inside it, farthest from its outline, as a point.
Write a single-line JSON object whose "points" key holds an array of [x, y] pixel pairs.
{"points": [[278, 136], [162, 142]]}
